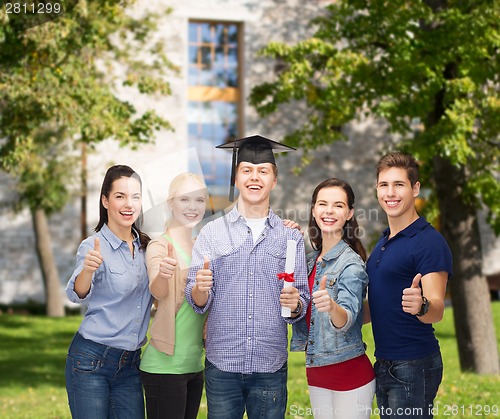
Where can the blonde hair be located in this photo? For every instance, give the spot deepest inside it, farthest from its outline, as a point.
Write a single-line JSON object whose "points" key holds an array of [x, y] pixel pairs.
{"points": [[180, 180]]}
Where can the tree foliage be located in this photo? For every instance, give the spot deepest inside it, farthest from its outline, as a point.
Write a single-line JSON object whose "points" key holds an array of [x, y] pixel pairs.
{"points": [[59, 84], [58, 87], [430, 68]]}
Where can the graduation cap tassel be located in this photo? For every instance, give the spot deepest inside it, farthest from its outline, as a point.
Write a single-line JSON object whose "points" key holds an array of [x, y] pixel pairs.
{"points": [[233, 174]]}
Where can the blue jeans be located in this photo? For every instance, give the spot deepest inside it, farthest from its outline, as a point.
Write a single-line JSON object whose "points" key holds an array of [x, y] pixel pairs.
{"points": [[262, 395], [408, 388], [103, 382]]}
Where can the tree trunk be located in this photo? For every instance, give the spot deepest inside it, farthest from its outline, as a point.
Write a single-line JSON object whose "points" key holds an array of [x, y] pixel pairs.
{"points": [[53, 297], [472, 314]]}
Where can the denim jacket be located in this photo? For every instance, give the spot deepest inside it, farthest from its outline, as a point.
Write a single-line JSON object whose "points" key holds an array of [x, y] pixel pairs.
{"points": [[346, 283]]}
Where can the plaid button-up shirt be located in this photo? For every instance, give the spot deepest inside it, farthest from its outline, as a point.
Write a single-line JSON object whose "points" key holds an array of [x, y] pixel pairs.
{"points": [[246, 332]]}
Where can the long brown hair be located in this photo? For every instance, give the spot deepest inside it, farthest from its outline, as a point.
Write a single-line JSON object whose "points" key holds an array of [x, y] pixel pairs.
{"points": [[112, 174], [350, 231]]}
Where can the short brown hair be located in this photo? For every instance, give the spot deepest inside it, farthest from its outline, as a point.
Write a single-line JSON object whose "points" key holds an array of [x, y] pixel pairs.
{"points": [[401, 160]]}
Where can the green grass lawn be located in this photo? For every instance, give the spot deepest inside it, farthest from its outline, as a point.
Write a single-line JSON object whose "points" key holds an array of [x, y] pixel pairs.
{"points": [[33, 350]]}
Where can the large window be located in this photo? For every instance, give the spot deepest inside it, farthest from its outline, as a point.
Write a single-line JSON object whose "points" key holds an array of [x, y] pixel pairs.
{"points": [[214, 97]]}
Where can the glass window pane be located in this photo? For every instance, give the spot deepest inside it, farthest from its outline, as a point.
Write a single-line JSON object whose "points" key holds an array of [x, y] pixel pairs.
{"points": [[193, 54], [206, 56], [193, 32], [232, 54], [206, 33], [218, 31], [232, 33], [210, 124], [213, 62]]}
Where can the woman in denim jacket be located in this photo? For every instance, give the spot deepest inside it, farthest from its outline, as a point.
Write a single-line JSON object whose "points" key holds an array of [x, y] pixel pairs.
{"points": [[339, 374]]}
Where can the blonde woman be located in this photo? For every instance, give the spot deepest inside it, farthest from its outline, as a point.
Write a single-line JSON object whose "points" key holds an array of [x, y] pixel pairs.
{"points": [[171, 367]]}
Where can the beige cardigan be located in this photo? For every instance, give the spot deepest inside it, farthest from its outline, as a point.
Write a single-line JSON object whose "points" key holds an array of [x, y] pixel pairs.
{"points": [[162, 329]]}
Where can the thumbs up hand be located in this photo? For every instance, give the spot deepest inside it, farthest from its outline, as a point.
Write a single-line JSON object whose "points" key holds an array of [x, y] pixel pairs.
{"points": [[167, 264], [204, 279], [322, 299], [93, 258], [412, 297]]}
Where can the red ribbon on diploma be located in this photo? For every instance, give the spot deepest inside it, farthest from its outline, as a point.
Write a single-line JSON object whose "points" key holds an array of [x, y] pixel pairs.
{"points": [[286, 277]]}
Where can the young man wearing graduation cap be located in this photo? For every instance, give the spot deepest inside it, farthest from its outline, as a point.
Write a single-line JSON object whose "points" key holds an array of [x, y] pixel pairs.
{"points": [[234, 275]]}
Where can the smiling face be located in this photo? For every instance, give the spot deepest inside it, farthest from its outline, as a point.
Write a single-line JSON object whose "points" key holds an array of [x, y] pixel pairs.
{"points": [[255, 182], [395, 193], [331, 211], [188, 205], [123, 204]]}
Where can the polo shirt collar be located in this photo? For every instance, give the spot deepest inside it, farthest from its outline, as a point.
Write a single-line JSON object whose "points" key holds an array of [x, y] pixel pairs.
{"points": [[419, 224]]}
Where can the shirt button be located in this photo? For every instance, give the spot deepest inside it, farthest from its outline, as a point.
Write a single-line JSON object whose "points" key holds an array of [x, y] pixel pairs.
{"points": [[251, 295], [383, 248], [249, 317]]}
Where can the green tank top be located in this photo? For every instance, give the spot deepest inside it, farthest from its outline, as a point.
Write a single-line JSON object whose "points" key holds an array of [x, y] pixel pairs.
{"points": [[188, 351]]}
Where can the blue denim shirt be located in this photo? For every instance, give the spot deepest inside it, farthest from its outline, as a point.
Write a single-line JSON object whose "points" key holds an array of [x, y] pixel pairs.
{"points": [[119, 301], [346, 283]]}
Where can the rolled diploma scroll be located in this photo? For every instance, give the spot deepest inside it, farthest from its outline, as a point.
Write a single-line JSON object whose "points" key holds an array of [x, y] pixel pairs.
{"points": [[291, 252]]}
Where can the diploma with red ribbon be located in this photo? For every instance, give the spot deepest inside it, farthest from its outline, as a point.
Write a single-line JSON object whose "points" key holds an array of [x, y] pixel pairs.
{"points": [[287, 276]]}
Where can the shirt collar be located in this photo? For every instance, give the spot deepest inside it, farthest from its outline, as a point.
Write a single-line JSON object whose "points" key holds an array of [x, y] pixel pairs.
{"points": [[336, 250], [272, 219], [112, 239], [419, 224]]}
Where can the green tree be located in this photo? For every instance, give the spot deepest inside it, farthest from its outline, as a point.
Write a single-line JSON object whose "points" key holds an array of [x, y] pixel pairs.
{"points": [[430, 68], [57, 92]]}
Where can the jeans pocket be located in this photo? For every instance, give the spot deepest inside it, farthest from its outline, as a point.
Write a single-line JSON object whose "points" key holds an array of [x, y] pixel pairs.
{"points": [[208, 365], [401, 372], [84, 363]]}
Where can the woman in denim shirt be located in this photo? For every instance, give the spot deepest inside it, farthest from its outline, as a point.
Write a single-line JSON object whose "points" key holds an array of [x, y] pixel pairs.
{"points": [[110, 278], [339, 374]]}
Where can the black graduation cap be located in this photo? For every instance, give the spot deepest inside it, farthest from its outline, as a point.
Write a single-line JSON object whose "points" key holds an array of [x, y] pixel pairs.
{"points": [[255, 149]]}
